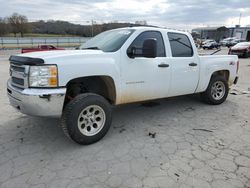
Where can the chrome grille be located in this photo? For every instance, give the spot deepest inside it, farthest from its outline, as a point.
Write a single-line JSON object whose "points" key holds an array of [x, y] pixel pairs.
{"points": [[19, 75], [18, 81], [18, 69]]}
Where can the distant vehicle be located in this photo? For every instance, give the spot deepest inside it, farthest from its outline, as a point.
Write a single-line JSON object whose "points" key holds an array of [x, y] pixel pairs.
{"points": [[225, 41], [208, 41], [211, 45], [43, 47], [234, 42], [241, 49]]}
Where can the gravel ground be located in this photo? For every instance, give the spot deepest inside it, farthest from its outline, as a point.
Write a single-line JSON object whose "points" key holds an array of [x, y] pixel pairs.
{"points": [[194, 145]]}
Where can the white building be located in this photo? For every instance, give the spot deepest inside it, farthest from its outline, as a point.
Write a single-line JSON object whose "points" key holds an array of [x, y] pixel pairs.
{"points": [[240, 32]]}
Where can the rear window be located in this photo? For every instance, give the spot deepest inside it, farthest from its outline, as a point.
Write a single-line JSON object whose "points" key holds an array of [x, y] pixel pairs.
{"points": [[180, 45]]}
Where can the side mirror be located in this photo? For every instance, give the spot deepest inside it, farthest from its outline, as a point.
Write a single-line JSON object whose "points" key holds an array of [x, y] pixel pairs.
{"points": [[131, 52], [149, 48]]}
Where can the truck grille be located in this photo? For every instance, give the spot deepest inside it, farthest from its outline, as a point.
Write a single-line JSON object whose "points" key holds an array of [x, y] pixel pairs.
{"points": [[18, 69], [19, 75], [237, 51], [18, 81]]}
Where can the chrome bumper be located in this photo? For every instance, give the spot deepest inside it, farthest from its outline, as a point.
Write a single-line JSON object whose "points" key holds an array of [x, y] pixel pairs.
{"points": [[37, 102]]}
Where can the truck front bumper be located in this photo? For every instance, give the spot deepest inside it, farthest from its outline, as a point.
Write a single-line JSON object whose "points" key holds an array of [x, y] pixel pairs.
{"points": [[37, 102]]}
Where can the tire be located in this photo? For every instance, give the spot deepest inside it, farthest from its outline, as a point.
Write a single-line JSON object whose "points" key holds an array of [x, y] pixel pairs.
{"points": [[87, 118], [216, 92], [245, 55]]}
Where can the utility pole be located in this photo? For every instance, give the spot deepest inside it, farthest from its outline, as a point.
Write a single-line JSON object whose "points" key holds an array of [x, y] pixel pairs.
{"points": [[92, 27], [239, 19]]}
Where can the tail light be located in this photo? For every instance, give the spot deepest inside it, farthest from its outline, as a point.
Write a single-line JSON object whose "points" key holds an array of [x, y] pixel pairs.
{"points": [[238, 65]]}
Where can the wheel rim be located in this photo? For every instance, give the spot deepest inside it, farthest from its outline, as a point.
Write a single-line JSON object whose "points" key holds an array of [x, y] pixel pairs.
{"points": [[91, 120], [218, 90]]}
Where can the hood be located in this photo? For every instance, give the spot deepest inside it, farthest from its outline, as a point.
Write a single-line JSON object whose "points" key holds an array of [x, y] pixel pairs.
{"points": [[34, 58], [239, 48], [64, 53]]}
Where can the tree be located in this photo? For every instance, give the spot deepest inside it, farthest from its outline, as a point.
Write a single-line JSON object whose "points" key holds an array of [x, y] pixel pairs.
{"points": [[3, 26], [18, 24]]}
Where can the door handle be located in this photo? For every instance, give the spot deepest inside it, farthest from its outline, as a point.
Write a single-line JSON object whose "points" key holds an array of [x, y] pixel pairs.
{"points": [[163, 65], [192, 64]]}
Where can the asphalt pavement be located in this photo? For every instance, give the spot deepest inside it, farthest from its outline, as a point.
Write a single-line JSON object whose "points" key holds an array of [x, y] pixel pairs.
{"points": [[176, 142]]}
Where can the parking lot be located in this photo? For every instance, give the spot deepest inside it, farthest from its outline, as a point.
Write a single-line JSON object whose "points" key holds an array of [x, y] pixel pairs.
{"points": [[176, 142]]}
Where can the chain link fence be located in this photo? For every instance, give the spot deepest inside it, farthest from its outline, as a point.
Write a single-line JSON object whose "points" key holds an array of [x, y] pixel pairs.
{"points": [[18, 42]]}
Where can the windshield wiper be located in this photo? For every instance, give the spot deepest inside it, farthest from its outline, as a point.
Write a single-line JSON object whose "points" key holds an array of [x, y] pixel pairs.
{"points": [[91, 48]]}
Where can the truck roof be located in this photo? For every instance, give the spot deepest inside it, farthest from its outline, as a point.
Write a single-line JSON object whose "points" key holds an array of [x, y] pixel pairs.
{"points": [[144, 28]]}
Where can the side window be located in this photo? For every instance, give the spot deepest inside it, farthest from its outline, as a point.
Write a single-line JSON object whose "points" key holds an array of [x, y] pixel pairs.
{"points": [[138, 42], [44, 47], [180, 45]]}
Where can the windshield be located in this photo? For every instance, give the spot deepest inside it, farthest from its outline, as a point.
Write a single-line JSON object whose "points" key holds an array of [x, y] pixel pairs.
{"points": [[108, 41], [243, 44]]}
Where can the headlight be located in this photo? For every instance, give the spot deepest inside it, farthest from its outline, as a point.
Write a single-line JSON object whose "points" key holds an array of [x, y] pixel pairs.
{"points": [[43, 76]]}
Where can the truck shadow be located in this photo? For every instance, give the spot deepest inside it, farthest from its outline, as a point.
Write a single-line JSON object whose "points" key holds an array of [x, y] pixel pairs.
{"points": [[129, 121]]}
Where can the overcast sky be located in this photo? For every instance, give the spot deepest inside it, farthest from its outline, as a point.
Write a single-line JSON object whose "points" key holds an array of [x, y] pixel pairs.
{"points": [[185, 14]]}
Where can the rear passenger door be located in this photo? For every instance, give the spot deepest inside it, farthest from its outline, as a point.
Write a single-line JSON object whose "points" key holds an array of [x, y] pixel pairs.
{"points": [[185, 65]]}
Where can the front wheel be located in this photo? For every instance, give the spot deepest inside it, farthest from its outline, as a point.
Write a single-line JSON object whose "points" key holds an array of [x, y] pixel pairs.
{"points": [[217, 91], [87, 118]]}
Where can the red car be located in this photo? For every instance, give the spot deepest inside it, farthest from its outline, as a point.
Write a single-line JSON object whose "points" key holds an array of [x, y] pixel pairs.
{"points": [[43, 47], [241, 49]]}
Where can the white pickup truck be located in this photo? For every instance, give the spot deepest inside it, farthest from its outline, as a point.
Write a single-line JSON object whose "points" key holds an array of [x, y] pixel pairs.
{"points": [[116, 67]]}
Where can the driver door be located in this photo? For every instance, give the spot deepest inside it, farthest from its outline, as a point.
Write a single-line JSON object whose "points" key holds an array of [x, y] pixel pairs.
{"points": [[145, 78]]}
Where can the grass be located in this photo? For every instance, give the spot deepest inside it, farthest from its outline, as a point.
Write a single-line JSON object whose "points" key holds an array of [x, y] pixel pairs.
{"points": [[15, 46], [38, 35]]}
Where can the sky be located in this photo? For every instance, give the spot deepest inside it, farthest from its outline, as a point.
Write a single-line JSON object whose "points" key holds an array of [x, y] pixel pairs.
{"points": [[179, 14]]}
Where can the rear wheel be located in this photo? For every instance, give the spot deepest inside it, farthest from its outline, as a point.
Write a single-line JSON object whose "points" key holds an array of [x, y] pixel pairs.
{"points": [[217, 91], [245, 55], [87, 118]]}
